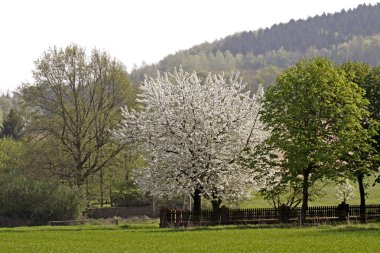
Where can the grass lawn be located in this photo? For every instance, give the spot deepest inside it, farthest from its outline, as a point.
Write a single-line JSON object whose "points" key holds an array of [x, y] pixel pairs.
{"points": [[328, 197], [147, 237]]}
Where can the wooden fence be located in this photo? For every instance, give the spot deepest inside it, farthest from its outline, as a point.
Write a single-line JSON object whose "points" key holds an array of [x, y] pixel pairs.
{"points": [[123, 212], [284, 214]]}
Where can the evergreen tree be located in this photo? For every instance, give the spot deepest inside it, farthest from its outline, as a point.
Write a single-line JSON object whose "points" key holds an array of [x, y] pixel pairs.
{"points": [[12, 125]]}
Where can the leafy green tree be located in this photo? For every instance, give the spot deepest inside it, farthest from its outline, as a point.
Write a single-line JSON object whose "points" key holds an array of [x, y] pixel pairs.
{"points": [[372, 87], [12, 125], [5, 105], [75, 101], [364, 157], [315, 115], [12, 155]]}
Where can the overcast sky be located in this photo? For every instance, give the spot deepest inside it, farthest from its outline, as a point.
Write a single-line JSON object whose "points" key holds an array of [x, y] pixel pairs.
{"points": [[134, 31]]}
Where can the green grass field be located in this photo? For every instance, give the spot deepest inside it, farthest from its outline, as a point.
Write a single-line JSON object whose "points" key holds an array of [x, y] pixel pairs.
{"points": [[328, 197], [147, 237]]}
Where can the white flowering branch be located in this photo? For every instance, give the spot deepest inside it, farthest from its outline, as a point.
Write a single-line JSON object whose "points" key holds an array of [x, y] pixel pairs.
{"points": [[345, 191]]}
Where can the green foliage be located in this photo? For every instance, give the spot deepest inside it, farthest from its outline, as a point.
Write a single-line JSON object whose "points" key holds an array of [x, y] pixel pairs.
{"points": [[289, 192], [357, 72], [128, 194], [348, 35], [11, 155], [12, 125], [315, 115], [365, 158], [6, 103], [319, 31], [372, 87], [371, 84], [74, 101], [108, 184], [39, 201]]}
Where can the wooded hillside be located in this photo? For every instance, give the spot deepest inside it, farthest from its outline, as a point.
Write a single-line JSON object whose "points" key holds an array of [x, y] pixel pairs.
{"points": [[261, 55]]}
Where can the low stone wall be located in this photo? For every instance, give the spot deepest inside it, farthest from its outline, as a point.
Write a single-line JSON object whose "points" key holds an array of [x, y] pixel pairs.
{"points": [[123, 212]]}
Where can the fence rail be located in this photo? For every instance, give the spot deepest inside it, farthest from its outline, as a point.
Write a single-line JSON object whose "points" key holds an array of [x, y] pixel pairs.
{"points": [[283, 214]]}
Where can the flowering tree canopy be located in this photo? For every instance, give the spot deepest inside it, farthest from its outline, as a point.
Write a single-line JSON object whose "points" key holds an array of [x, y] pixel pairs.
{"points": [[194, 133], [345, 191]]}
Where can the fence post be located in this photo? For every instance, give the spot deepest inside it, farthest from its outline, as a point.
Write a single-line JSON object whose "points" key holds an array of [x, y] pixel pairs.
{"points": [[363, 214], [164, 217], [342, 211], [284, 211], [224, 214]]}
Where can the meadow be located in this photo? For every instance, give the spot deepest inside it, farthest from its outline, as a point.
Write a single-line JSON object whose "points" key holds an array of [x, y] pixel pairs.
{"points": [[327, 196], [147, 237]]}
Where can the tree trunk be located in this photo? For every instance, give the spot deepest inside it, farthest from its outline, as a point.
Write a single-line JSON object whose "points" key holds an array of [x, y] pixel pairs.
{"points": [[197, 202], [215, 208], [154, 207], [216, 204], [363, 216], [305, 196], [101, 188], [87, 193], [79, 179]]}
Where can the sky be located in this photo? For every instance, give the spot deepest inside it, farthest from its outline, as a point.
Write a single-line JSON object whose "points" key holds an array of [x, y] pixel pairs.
{"points": [[134, 31]]}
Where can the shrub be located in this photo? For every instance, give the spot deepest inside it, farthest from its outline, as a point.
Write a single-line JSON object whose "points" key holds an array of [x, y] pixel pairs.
{"points": [[38, 201], [128, 195]]}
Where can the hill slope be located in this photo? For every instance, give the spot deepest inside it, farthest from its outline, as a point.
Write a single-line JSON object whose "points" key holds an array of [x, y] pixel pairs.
{"points": [[261, 55]]}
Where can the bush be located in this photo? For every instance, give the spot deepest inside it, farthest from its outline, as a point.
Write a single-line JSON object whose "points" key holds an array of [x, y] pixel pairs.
{"points": [[38, 201], [128, 195]]}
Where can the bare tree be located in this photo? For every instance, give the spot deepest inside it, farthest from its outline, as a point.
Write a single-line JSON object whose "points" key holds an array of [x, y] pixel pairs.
{"points": [[74, 102]]}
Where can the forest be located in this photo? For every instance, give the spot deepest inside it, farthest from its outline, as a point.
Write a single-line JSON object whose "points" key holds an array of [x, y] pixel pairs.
{"points": [[261, 55]]}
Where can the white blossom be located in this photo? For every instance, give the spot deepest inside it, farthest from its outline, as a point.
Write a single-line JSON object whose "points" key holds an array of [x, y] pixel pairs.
{"points": [[345, 191], [193, 133]]}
